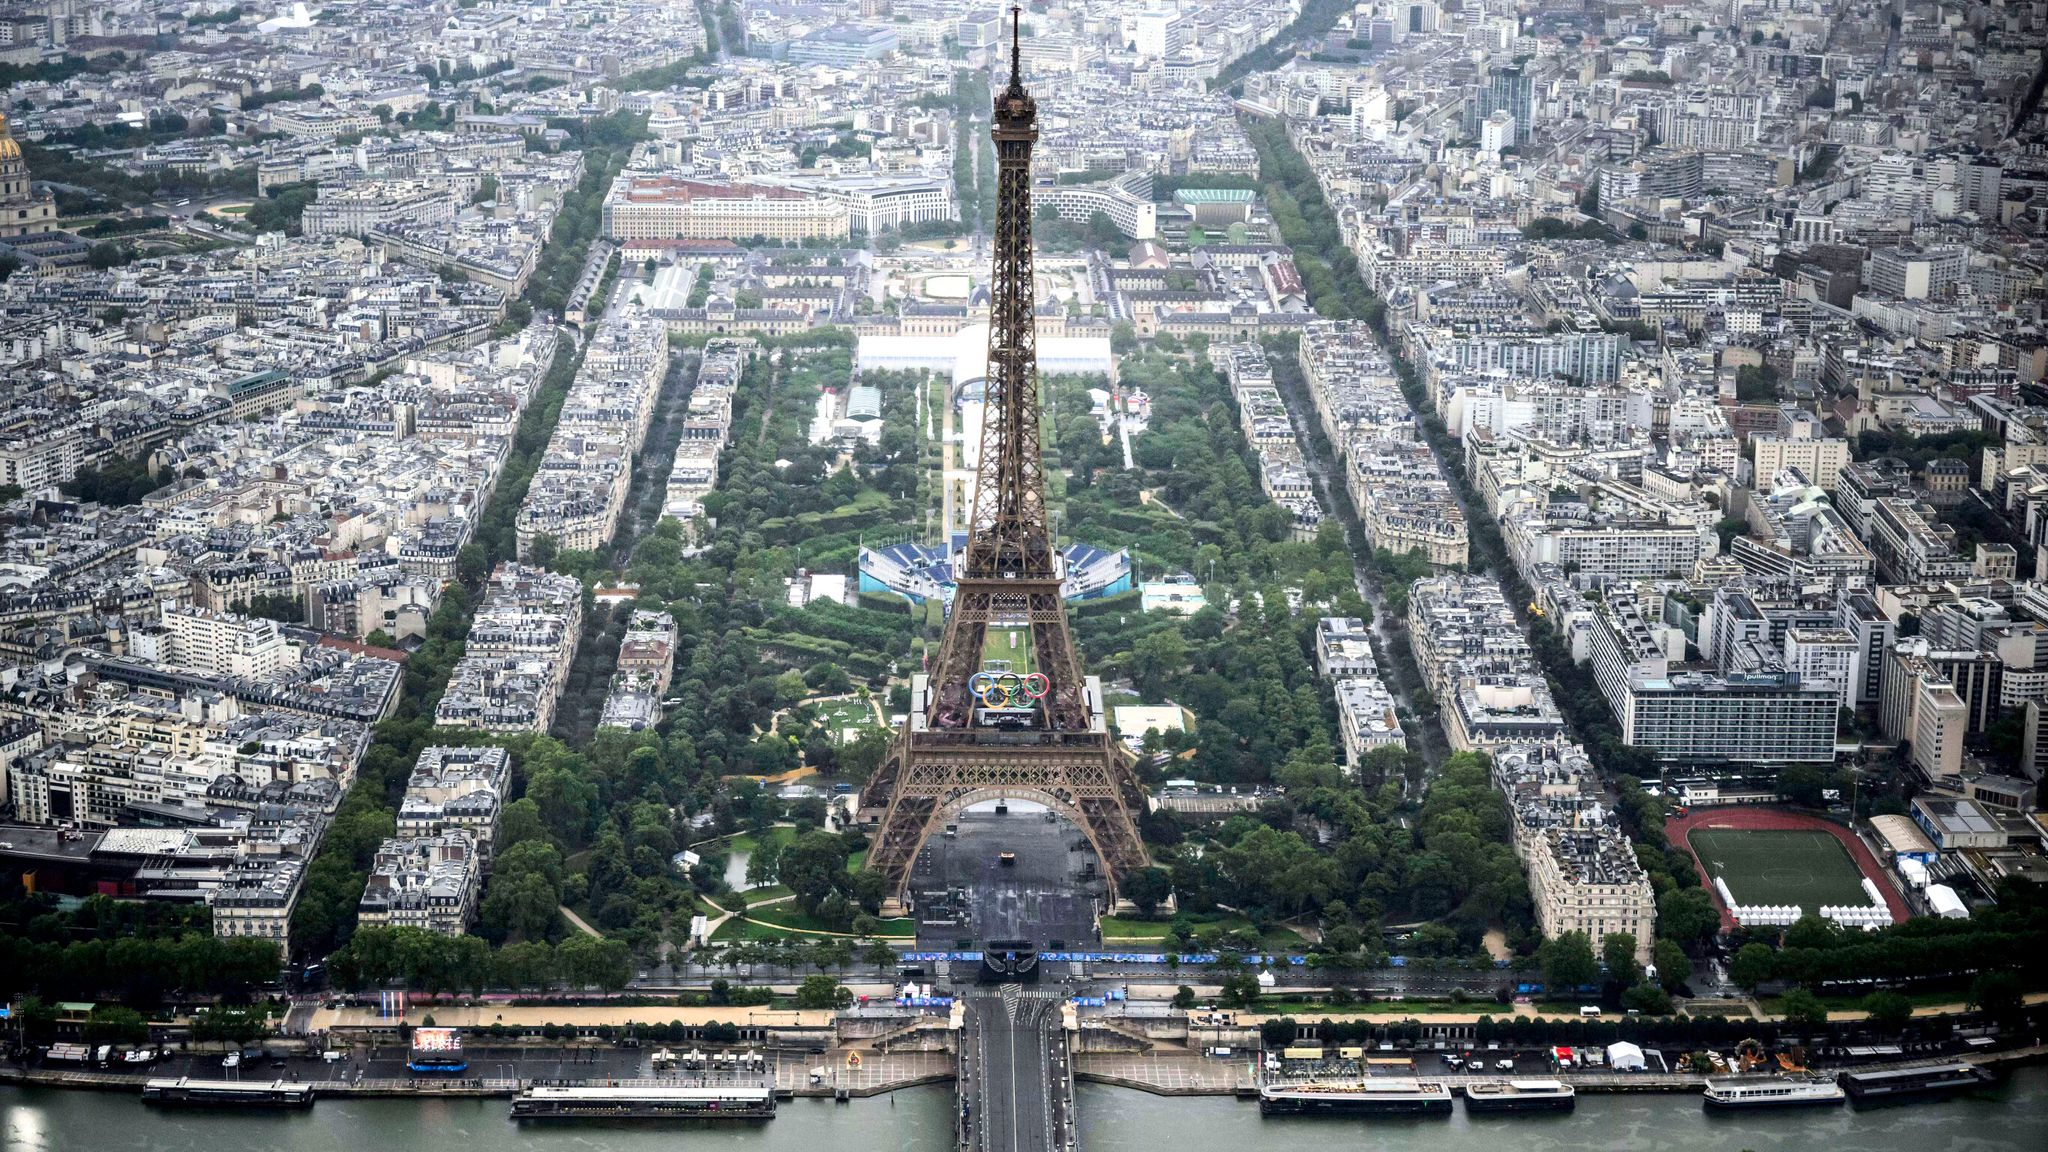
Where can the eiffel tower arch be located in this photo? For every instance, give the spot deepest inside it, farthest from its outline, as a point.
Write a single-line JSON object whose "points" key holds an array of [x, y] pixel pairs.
{"points": [[1040, 734]]}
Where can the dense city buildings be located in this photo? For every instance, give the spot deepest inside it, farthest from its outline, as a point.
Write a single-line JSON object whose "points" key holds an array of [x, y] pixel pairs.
{"points": [[485, 488], [517, 657]]}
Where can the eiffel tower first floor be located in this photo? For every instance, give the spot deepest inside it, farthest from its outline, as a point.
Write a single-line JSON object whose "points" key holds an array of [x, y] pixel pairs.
{"points": [[1087, 778]]}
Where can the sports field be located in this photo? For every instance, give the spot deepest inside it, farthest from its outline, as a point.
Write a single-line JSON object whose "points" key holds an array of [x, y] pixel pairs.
{"points": [[1807, 868]]}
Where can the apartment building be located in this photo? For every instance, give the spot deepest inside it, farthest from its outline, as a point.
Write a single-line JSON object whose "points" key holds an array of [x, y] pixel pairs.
{"points": [[1910, 545], [224, 644], [521, 643], [456, 788], [1820, 460], [646, 661], [1366, 718], [432, 883], [1462, 626], [1583, 872], [257, 898], [1344, 648], [1501, 709], [1921, 709], [1695, 715]]}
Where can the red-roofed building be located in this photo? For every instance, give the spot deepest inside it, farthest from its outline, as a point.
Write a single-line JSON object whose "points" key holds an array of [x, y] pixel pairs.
{"points": [[642, 207]]}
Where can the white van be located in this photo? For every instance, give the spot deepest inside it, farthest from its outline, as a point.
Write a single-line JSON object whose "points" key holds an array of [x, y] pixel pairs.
{"points": [[333, 1057], [1589, 1011]]}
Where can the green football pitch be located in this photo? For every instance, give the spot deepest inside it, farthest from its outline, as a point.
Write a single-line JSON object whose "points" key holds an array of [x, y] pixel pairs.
{"points": [[1780, 867]]}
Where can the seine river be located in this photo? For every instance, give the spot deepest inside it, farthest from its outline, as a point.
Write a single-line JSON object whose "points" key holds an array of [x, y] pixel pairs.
{"points": [[1112, 1120]]}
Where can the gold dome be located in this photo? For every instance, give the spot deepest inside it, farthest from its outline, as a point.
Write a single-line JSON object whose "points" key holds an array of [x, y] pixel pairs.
{"points": [[9, 150]]}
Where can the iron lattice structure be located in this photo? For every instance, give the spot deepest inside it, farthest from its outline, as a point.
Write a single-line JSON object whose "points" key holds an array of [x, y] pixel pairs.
{"points": [[952, 751]]}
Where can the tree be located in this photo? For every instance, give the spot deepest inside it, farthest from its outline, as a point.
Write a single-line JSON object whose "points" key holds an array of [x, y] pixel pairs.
{"points": [[812, 867], [1812, 931], [525, 964], [1751, 966], [1148, 888], [591, 960], [821, 992], [1801, 783], [1802, 1009], [1687, 915], [1674, 967], [1184, 997], [1618, 952], [520, 824], [1998, 995], [762, 863], [1647, 999], [1568, 962], [1240, 989], [521, 906], [1888, 1011], [113, 1024]]}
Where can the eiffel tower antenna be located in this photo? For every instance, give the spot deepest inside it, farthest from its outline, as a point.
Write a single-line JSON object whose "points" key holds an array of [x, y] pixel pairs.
{"points": [[1041, 735], [1016, 49]]}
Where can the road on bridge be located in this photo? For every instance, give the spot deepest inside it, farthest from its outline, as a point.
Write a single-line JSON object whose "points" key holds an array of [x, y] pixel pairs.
{"points": [[1015, 1086]]}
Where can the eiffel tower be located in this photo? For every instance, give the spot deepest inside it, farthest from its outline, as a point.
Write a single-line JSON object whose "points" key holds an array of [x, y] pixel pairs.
{"points": [[1038, 733]]}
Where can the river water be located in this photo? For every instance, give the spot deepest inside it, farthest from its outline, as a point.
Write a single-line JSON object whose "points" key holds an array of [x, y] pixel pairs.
{"points": [[2010, 1118]]}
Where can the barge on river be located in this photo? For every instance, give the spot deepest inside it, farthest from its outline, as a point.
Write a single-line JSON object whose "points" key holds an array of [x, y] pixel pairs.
{"points": [[1883, 1086], [1520, 1096], [186, 1092], [1369, 1096], [645, 1102]]}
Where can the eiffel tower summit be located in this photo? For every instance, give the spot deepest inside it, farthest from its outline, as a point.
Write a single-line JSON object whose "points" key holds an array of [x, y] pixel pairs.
{"points": [[988, 720]]}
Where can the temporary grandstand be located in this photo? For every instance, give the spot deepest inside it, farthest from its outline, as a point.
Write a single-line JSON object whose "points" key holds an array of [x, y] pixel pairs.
{"points": [[919, 572]]}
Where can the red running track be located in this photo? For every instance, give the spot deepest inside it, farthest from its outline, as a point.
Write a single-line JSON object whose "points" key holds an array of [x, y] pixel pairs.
{"points": [[1678, 830]]}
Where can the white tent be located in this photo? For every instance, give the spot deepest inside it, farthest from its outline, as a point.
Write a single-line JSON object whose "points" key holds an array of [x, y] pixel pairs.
{"points": [[1623, 1056], [1947, 904]]}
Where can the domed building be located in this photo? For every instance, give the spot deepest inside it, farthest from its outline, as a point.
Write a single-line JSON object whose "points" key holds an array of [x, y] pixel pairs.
{"points": [[23, 210]]}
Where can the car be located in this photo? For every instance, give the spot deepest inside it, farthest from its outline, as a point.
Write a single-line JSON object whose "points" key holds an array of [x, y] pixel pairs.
{"points": [[231, 1060], [333, 1057], [1504, 1065]]}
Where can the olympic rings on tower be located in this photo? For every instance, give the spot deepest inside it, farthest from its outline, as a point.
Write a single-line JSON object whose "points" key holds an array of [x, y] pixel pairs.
{"points": [[1002, 689]]}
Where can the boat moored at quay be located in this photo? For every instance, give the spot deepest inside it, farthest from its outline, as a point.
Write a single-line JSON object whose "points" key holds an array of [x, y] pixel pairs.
{"points": [[1520, 1096], [1772, 1092], [1368, 1096]]}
